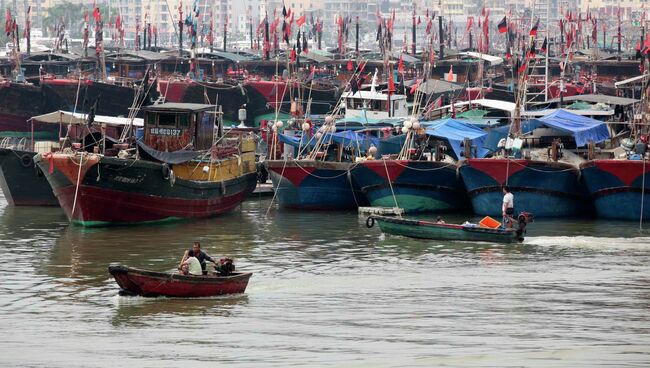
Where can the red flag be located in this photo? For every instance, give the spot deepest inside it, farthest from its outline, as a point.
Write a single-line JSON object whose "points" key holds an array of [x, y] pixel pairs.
{"points": [[415, 86], [533, 31], [400, 65], [544, 45], [503, 25], [97, 15], [8, 22], [293, 55], [429, 26], [350, 65], [300, 21], [391, 82], [522, 68], [470, 21]]}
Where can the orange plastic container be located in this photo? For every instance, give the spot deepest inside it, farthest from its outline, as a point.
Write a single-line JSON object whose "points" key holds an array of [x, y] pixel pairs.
{"points": [[489, 222]]}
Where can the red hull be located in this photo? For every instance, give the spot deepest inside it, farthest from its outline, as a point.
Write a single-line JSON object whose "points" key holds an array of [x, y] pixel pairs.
{"points": [[173, 90], [147, 283], [271, 90], [101, 205]]}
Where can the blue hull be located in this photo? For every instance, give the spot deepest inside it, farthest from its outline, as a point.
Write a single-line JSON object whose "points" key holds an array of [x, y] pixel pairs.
{"points": [[314, 185], [615, 186], [547, 189], [415, 186]]}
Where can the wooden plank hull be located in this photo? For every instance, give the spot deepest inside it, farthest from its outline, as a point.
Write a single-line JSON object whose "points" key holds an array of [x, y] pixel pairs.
{"points": [[430, 230], [149, 283]]}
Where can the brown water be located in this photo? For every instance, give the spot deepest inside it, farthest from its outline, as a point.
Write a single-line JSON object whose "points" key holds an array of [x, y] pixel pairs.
{"points": [[325, 291]]}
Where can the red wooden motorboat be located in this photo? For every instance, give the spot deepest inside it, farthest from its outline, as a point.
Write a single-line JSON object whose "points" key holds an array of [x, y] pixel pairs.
{"points": [[149, 283]]}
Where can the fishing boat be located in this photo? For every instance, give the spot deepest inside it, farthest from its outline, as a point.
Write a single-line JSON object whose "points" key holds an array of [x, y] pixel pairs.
{"points": [[184, 167], [618, 179], [21, 185], [321, 178], [24, 184], [423, 177], [150, 283], [422, 229]]}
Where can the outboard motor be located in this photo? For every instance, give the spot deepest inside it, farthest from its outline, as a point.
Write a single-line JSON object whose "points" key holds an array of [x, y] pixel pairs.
{"points": [[523, 219], [225, 267]]}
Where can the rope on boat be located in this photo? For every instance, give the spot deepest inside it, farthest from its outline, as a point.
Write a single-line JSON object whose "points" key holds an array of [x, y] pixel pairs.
{"points": [[349, 172], [390, 184], [76, 191], [275, 190], [642, 197], [396, 162]]}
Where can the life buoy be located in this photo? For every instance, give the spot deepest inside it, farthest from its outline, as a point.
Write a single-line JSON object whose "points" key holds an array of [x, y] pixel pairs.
{"points": [[165, 171], [370, 222], [26, 160]]}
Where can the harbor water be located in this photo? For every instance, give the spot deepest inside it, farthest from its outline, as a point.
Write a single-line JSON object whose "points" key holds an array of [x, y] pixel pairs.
{"points": [[326, 291]]}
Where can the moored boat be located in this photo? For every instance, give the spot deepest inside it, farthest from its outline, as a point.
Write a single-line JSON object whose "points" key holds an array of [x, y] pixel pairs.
{"points": [[545, 181], [422, 229], [163, 181], [619, 188], [424, 178], [21, 184], [314, 184], [150, 283]]}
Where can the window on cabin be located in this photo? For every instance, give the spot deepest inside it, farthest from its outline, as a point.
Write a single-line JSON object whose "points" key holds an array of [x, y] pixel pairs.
{"points": [[183, 121], [151, 118], [167, 119]]}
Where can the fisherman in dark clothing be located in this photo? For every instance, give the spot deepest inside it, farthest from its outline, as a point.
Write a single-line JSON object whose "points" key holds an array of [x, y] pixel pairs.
{"points": [[199, 254]]}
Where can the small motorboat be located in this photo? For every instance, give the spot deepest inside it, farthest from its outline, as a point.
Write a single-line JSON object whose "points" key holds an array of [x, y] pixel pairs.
{"points": [[432, 230], [134, 281]]}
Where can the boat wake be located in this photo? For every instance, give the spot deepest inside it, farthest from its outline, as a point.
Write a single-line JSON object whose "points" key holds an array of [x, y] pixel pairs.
{"points": [[590, 242]]}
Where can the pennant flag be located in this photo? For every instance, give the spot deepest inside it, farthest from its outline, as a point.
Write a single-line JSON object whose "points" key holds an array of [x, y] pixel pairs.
{"points": [[470, 21], [8, 22], [300, 21], [96, 14], [391, 82], [533, 31], [400, 65], [415, 86], [503, 25], [544, 45], [350, 65]]}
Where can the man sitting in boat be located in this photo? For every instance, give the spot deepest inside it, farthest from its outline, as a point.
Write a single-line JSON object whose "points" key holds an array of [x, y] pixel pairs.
{"points": [[439, 220], [191, 266], [197, 253], [508, 207]]}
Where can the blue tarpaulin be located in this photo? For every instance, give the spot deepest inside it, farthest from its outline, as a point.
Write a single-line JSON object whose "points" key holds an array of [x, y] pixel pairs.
{"points": [[352, 139], [582, 128], [297, 141], [347, 138], [455, 132]]}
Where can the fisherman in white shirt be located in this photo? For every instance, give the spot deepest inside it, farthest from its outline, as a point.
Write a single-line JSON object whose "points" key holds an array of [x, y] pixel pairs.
{"points": [[508, 207]]}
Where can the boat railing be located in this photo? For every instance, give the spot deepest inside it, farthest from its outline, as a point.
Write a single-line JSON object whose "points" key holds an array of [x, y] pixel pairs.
{"points": [[14, 143]]}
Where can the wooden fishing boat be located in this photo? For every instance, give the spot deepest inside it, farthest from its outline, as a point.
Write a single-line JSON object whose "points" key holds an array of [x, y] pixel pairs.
{"points": [[150, 283], [431, 230]]}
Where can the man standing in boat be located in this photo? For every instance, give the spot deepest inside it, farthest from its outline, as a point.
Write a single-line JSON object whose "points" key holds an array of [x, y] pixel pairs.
{"points": [[199, 254], [508, 207]]}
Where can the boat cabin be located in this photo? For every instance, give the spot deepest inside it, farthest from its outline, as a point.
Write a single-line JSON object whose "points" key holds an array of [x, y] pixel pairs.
{"points": [[371, 106], [175, 126]]}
